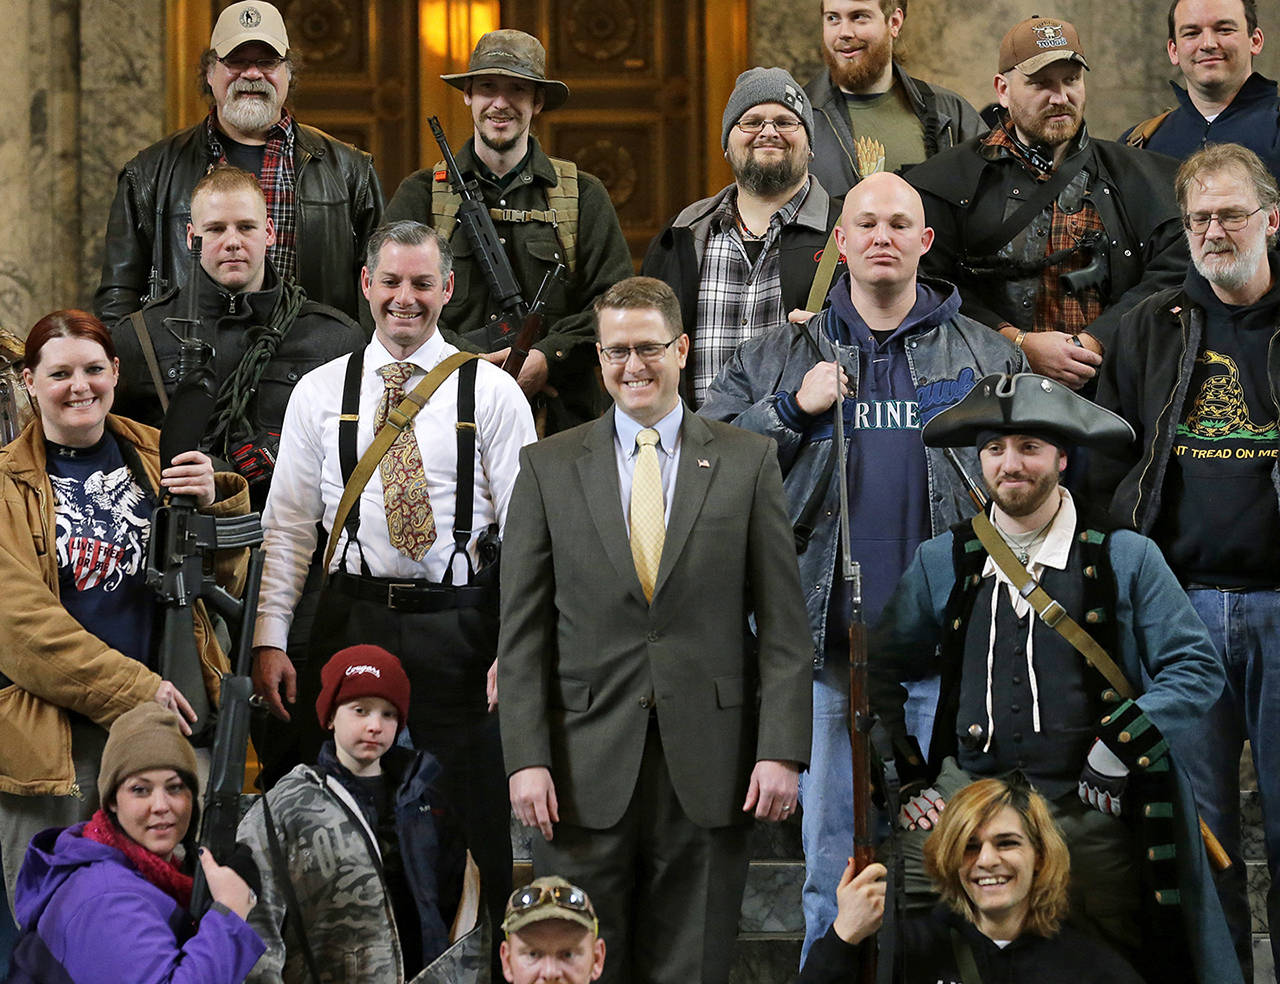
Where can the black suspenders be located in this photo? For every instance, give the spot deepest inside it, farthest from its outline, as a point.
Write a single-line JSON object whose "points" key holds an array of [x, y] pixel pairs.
{"points": [[464, 494]]}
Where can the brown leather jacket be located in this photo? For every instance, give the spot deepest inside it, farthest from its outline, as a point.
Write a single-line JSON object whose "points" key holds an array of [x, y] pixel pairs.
{"points": [[53, 664]]}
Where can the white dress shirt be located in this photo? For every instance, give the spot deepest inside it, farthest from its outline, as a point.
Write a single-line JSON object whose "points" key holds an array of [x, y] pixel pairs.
{"points": [[307, 483]]}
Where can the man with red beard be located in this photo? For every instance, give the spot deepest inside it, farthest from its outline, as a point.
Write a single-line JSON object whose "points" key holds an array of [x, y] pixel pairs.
{"points": [[323, 196], [869, 115], [1050, 234], [749, 257], [545, 212], [1068, 653]]}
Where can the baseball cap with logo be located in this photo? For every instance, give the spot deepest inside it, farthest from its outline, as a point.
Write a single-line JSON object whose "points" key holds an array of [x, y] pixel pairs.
{"points": [[1040, 41], [250, 20], [362, 671], [549, 897]]}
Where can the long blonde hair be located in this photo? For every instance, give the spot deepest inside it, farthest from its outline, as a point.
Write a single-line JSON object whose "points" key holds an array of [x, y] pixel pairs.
{"points": [[974, 806]]}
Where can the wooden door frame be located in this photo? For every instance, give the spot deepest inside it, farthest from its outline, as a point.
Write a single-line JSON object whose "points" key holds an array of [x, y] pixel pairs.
{"points": [[447, 31]]}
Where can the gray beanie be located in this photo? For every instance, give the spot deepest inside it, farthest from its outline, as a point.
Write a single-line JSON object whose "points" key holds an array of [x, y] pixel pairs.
{"points": [[765, 85]]}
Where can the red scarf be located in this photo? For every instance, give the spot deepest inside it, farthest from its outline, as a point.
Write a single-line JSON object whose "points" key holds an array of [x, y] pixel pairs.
{"points": [[164, 875]]}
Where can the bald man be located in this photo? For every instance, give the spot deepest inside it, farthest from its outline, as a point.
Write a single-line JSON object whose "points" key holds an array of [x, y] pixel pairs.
{"points": [[903, 353]]}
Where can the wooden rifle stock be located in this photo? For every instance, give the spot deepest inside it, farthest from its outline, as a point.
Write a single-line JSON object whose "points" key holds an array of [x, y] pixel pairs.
{"points": [[531, 328], [859, 703]]}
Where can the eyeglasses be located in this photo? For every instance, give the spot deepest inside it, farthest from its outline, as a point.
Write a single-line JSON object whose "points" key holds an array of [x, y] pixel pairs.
{"points": [[754, 125], [648, 351], [1231, 219], [562, 896], [238, 66]]}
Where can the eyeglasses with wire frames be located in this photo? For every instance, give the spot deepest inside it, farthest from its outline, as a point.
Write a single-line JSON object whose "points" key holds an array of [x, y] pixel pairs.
{"points": [[238, 66], [647, 351], [563, 896], [754, 124], [1231, 219]]}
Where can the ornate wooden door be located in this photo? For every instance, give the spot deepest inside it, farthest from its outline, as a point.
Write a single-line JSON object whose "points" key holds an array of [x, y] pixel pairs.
{"points": [[642, 102]]}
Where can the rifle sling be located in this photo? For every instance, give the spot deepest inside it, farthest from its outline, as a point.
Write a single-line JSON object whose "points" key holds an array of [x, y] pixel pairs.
{"points": [[149, 354], [280, 867], [822, 276], [400, 418], [1051, 613], [1029, 209], [965, 965]]}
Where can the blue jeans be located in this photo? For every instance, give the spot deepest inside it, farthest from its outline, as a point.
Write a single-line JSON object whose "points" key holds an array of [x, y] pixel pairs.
{"points": [[826, 789], [1245, 628]]}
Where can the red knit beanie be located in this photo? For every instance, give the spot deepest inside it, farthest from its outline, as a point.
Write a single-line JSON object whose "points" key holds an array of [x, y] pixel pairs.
{"points": [[362, 671]]}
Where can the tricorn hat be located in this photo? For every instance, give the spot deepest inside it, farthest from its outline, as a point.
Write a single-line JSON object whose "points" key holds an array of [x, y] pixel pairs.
{"points": [[1027, 403], [518, 55]]}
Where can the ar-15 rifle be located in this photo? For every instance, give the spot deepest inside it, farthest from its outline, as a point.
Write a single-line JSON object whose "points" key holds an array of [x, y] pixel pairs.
{"points": [[860, 721], [477, 223], [221, 813], [182, 541]]}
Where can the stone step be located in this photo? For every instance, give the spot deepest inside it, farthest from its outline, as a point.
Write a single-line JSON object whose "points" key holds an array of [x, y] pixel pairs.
{"points": [[1264, 968], [765, 960], [1258, 879]]}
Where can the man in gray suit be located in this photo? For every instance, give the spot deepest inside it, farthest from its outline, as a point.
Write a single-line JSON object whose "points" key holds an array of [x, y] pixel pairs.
{"points": [[643, 721]]}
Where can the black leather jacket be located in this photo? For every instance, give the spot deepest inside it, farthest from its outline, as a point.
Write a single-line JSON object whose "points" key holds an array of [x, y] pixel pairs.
{"points": [[337, 197]]}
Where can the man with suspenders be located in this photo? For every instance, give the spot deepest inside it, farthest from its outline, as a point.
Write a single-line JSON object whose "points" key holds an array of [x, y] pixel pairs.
{"points": [[413, 516]]}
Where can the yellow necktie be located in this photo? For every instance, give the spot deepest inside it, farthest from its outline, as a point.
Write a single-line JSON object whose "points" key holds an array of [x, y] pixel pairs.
{"points": [[647, 528]]}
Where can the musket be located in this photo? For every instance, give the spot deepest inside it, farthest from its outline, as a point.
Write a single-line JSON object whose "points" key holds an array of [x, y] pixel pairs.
{"points": [[477, 223], [860, 721]]}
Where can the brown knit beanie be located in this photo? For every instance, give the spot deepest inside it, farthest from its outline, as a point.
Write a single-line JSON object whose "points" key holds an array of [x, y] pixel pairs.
{"points": [[147, 737]]}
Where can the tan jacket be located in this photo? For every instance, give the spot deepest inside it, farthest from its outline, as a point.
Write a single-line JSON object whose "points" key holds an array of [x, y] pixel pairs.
{"points": [[54, 663]]}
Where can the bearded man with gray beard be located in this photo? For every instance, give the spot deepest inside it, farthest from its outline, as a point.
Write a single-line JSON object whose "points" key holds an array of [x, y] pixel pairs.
{"points": [[748, 258], [246, 74], [1196, 372]]}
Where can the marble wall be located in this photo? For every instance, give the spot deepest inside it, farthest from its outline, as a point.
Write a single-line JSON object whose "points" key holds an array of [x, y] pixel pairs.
{"points": [[84, 90], [944, 42]]}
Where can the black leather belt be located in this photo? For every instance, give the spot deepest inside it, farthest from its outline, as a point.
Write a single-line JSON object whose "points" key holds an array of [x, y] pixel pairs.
{"points": [[414, 596]]}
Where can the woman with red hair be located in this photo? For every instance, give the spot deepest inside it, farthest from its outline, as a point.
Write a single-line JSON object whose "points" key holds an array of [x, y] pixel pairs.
{"points": [[77, 490]]}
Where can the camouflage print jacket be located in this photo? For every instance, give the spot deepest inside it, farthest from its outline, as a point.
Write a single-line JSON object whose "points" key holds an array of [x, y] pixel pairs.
{"points": [[336, 871]]}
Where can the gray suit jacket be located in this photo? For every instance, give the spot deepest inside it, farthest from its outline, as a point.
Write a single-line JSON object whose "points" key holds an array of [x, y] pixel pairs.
{"points": [[582, 657]]}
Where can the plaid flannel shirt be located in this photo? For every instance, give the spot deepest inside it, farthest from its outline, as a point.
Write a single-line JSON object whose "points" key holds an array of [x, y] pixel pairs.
{"points": [[277, 181], [1057, 310], [736, 299]]}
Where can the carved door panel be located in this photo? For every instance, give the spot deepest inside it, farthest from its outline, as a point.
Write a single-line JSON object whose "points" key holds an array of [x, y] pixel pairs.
{"points": [[358, 76], [636, 119]]}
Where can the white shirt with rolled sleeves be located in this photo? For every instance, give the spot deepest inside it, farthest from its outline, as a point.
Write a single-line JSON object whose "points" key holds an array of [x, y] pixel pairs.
{"points": [[307, 483]]}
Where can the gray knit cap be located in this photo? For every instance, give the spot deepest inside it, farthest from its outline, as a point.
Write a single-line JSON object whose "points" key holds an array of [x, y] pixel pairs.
{"points": [[766, 85]]}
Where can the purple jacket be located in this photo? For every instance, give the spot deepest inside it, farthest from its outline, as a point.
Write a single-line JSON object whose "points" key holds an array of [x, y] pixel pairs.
{"points": [[95, 918]]}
